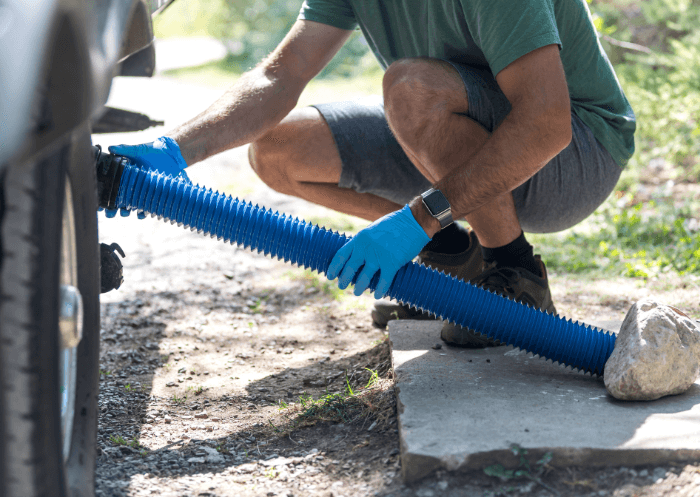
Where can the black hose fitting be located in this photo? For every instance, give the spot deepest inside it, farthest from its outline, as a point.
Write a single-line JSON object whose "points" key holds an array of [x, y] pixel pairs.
{"points": [[109, 175]]}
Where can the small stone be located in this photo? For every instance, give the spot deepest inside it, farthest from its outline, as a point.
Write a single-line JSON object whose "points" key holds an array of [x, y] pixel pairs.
{"points": [[657, 353], [437, 346], [171, 384], [168, 420], [215, 419], [371, 427], [201, 415], [658, 474]]}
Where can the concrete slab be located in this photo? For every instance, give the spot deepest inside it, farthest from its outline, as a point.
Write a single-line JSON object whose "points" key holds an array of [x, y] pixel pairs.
{"points": [[464, 408]]}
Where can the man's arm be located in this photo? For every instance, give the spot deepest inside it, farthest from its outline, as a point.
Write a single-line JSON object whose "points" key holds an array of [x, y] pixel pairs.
{"points": [[535, 131], [262, 97]]}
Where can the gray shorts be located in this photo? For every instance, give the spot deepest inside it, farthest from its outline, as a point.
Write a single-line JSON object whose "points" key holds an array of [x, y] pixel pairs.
{"points": [[563, 193]]}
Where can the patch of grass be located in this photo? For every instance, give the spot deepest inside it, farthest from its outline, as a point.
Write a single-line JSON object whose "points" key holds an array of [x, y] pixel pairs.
{"points": [[329, 407], [105, 373], [524, 470], [128, 387], [373, 378], [319, 282], [179, 399], [639, 240], [199, 390], [118, 440], [374, 398], [256, 307]]}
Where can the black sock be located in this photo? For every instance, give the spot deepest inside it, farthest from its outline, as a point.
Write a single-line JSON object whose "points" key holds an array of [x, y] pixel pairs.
{"points": [[452, 240], [517, 253]]}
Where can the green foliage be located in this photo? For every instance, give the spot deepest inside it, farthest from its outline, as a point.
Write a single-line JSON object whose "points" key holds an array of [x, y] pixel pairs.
{"points": [[373, 378], [643, 240], [326, 287], [330, 406], [524, 471], [662, 82], [251, 29], [179, 399], [118, 440]]}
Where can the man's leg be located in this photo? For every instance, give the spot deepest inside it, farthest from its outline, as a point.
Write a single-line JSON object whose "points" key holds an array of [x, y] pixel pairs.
{"points": [[299, 157], [426, 106]]}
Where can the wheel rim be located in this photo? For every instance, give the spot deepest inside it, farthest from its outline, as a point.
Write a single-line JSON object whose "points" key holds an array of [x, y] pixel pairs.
{"points": [[70, 321]]}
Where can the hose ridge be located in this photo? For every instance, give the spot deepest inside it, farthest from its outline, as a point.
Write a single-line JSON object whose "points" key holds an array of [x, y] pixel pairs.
{"points": [[312, 247]]}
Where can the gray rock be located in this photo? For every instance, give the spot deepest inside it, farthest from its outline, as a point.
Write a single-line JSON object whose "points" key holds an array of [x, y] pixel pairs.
{"points": [[657, 353]]}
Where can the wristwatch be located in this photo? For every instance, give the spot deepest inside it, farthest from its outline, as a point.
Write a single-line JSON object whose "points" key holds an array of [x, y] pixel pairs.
{"points": [[438, 206]]}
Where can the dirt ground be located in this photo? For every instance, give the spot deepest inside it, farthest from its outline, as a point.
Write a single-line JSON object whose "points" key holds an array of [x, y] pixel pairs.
{"points": [[219, 368], [208, 346]]}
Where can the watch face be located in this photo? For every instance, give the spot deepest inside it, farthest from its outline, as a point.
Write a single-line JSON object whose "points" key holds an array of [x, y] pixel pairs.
{"points": [[436, 202]]}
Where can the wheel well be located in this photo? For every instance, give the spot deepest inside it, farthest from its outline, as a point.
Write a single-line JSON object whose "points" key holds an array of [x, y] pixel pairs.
{"points": [[68, 77], [62, 96]]}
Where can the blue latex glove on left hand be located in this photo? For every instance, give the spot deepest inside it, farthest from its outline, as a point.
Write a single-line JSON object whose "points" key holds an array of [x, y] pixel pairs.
{"points": [[162, 155], [384, 246]]}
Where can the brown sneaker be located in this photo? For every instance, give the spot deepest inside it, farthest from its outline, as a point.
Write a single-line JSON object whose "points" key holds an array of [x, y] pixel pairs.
{"points": [[464, 266], [518, 284]]}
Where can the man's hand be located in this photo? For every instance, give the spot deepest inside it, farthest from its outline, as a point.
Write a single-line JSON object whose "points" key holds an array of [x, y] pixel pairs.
{"points": [[162, 155], [384, 246]]}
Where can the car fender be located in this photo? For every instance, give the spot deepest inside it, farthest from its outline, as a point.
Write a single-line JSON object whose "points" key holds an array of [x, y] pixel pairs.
{"points": [[75, 46]]}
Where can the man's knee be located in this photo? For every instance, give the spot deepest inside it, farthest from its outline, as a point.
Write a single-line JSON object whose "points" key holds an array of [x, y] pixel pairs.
{"points": [[265, 157], [417, 90]]}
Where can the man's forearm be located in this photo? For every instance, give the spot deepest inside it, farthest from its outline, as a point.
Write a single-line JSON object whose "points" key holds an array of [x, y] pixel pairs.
{"points": [[258, 101], [517, 149]]}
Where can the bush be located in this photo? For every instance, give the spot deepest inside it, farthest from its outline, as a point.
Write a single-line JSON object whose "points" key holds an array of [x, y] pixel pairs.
{"points": [[252, 29], [661, 77]]}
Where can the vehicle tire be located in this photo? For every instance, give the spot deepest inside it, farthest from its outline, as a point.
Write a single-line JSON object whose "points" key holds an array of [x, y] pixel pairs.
{"points": [[49, 249]]}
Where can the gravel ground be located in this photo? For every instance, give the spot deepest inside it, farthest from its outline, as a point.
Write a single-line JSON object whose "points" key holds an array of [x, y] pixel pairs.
{"points": [[207, 347], [207, 351]]}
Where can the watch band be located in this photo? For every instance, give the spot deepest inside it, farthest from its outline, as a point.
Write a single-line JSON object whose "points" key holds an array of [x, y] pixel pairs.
{"points": [[438, 206]]}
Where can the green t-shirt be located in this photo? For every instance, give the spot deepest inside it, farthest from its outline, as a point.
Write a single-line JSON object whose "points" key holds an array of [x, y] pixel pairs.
{"points": [[493, 34]]}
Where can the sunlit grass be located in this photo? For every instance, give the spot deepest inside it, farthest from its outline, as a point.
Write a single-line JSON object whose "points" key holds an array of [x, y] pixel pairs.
{"points": [[640, 241]]}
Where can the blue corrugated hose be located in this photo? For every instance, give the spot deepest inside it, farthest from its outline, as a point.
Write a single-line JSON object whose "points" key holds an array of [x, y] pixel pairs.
{"points": [[236, 221]]}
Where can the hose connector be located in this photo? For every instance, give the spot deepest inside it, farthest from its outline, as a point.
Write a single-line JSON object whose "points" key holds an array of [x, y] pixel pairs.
{"points": [[109, 173]]}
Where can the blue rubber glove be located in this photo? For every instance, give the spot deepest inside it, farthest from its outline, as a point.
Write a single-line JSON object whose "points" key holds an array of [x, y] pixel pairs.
{"points": [[162, 155], [384, 246]]}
